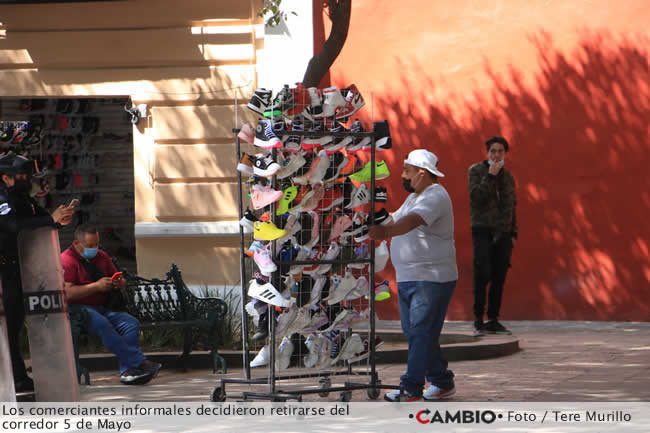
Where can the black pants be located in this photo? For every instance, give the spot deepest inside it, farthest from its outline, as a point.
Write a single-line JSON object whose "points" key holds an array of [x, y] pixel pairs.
{"points": [[492, 253], [12, 297]]}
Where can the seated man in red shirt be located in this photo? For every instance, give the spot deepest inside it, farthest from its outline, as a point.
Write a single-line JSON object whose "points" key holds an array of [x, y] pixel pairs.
{"points": [[87, 276]]}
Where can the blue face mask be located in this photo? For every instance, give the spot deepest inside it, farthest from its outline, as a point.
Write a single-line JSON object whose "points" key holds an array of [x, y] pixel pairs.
{"points": [[503, 161], [89, 253]]}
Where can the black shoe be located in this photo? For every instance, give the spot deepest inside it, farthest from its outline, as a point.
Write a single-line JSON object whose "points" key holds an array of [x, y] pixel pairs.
{"points": [[150, 366], [494, 327], [382, 217], [24, 385], [135, 376], [337, 163], [382, 137], [260, 100], [381, 196]]}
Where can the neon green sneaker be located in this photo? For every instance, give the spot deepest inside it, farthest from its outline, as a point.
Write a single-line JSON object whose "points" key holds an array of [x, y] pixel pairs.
{"points": [[290, 194], [382, 291], [363, 175]]}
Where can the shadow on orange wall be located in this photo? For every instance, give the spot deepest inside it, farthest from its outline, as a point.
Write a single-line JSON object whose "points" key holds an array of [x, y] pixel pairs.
{"points": [[580, 156]]}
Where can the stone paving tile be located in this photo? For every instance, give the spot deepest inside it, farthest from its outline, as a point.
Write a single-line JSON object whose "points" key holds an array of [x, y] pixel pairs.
{"points": [[558, 361]]}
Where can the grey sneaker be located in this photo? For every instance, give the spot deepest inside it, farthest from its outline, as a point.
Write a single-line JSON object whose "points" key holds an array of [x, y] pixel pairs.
{"points": [[136, 376]]}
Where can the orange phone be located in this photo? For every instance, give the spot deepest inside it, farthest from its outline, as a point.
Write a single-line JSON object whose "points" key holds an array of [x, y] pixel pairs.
{"points": [[116, 276]]}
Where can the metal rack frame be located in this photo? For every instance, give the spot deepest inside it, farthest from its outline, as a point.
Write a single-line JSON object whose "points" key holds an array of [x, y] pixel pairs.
{"points": [[218, 394]]}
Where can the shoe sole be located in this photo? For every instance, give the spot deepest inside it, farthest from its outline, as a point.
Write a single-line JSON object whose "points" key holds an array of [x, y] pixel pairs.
{"points": [[268, 144], [497, 332]]}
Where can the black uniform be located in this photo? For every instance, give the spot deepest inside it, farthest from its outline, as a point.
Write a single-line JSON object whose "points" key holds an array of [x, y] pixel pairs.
{"points": [[18, 211]]}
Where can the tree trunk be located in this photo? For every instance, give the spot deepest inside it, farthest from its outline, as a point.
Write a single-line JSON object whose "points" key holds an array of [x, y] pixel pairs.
{"points": [[339, 13]]}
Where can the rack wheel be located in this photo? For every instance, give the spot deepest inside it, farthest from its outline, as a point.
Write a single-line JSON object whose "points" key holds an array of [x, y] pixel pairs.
{"points": [[217, 395], [373, 393], [324, 383], [345, 396]]}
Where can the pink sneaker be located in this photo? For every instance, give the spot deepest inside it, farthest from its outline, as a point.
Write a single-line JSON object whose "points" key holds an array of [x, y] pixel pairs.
{"points": [[340, 225], [262, 196], [263, 260], [247, 133]]}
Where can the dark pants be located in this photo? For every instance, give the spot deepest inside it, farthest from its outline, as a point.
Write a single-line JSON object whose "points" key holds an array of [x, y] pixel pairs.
{"points": [[12, 298], [492, 253]]}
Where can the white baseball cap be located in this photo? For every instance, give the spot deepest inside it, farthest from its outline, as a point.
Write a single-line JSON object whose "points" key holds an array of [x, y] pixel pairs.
{"points": [[422, 158]]}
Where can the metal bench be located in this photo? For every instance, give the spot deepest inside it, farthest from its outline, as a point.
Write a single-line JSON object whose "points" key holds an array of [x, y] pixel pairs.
{"points": [[159, 304]]}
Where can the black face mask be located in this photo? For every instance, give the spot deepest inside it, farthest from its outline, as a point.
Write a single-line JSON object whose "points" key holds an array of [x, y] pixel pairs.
{"points": [[406, 183], [22, 186]]}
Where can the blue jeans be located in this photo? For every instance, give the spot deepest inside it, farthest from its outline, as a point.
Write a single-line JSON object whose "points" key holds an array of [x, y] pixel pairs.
{"points": [[422, 308], [120, 333]]}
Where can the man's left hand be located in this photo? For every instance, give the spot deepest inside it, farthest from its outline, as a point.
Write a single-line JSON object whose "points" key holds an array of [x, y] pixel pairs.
{"points": [[119, 283]]}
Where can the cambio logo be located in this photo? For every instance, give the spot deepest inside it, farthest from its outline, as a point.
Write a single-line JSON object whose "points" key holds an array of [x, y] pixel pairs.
{"points": [[425, 416]]}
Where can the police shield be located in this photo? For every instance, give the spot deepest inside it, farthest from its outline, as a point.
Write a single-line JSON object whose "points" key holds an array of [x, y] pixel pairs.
{"points": [[7, 392], [48, 327]]}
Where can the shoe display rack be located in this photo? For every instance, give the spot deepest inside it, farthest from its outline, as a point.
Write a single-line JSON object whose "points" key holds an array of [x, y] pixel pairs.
{"points": [[307, 264], [84, 150]]}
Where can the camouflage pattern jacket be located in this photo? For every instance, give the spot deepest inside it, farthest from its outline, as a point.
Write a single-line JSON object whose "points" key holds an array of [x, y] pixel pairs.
{"points": [[493, 199]]}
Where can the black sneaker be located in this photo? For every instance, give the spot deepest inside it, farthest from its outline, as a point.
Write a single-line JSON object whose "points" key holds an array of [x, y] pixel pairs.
{"points": [[260, 100], [381, 196], [284, 101], [292, 143], [337, 162], [399, 396], [151, 367], [303, 237], [494, 327], [382, 217], [362, 235], [135, 376], [264, 135], [382, 135], [280, 129], [265, 166]]}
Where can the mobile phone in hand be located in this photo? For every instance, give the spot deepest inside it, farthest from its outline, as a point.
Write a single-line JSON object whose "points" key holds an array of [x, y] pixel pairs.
{"points": [[73, 203], [116, 276]]}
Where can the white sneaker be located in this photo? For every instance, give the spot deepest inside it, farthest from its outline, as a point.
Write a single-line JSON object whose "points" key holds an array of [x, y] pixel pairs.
{"points": [[347, 284], [285, 320], [435, 393], [360, 196], [332, 253], [361, 289], [381, 256], [302, 255], [284, 354], [253, 312], [265, 292], [262, 358], [332, 101], [321, 168], [341, 321], [316, 288], [351, 347], [301, 320], [317, 320], [314, 343], [396, 396]]}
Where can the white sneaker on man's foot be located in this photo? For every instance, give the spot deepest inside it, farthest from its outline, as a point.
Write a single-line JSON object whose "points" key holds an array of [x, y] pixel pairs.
{"points": [[435, 393]]}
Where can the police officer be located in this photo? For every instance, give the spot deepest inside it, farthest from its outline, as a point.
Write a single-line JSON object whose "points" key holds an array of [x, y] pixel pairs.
{"points": [[18, 211]]}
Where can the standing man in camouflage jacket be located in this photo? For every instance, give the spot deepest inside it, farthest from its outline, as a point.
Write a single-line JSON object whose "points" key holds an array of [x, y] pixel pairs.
{"points": [[493, 201]]}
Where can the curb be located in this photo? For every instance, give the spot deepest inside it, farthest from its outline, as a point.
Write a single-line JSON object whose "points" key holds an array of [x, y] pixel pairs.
{"points": [[457, 347]]}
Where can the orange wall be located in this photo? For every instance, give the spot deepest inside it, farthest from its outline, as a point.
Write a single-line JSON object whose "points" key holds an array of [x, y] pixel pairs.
{"points": [[568, 84]]}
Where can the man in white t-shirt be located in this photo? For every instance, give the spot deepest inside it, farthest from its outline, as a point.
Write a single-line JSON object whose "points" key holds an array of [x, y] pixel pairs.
{"points": [[424, 258]]}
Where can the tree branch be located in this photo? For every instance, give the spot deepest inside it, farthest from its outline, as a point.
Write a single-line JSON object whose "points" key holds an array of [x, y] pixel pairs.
{"points": [[339, 13]]}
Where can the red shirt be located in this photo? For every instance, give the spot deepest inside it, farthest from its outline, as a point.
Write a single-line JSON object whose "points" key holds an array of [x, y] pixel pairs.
{"points": [[75, 273]]}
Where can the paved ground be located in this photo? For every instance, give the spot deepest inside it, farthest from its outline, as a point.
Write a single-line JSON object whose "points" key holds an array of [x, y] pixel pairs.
{"points": [[558, 361]]}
